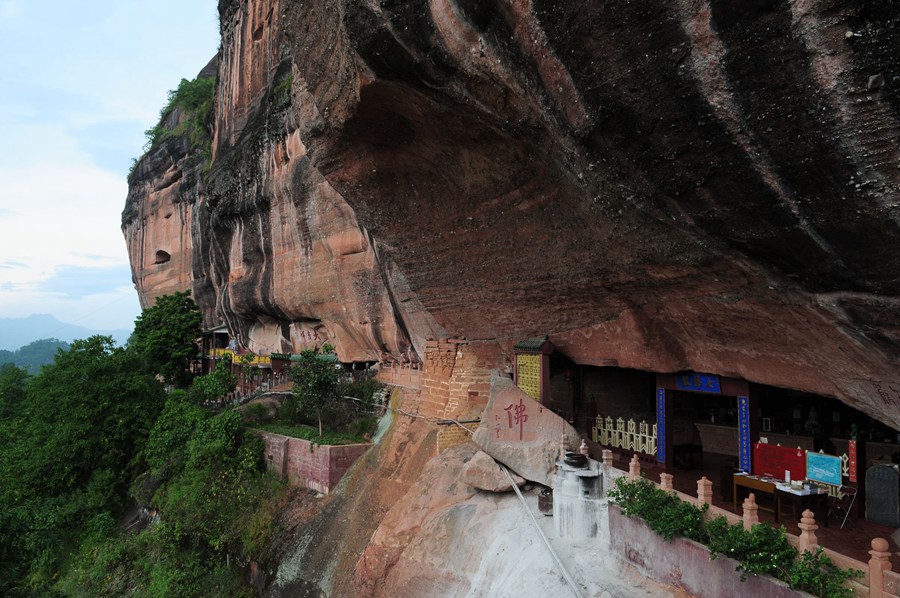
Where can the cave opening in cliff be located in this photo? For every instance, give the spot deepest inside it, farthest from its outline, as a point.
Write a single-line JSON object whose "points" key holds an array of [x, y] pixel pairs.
{"points": [[724, 427], [162, 257]]}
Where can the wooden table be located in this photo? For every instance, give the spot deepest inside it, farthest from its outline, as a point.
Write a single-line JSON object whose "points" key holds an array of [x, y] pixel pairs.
{"points": [[817, 502], [753, 483]]}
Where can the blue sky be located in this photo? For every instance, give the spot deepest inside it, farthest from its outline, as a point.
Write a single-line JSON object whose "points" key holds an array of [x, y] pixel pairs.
{"points": [[80, 82]]}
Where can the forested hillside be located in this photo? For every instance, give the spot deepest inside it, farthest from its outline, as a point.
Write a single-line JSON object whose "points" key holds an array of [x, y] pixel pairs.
{"points": [[33, 355], [92, 441]]}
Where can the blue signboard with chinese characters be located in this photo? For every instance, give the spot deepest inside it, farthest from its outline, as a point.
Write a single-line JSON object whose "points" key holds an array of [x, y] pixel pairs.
{"points": [[744, 447], [699, 382], [823, 468], [661, 425]]}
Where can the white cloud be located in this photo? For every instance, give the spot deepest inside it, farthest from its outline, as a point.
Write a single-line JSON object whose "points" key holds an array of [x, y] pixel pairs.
{"points": [[10, 10], [57, 214], [79, 84], [115, 310]]}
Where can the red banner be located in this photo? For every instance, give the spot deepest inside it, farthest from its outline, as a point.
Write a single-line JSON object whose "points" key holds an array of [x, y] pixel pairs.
{"points": [[851, 450], [772, 460]]}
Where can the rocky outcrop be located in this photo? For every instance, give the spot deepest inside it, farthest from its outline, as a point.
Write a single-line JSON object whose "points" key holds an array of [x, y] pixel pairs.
{"points": [[320, 545], [483, 473], [704, 185], [437, 536], [521, 433]]}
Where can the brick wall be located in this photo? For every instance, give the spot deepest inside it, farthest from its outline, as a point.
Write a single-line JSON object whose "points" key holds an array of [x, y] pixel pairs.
{"points": [[452, 435], [469, 386], [454, 383], [440, 359], [317, 467], [397, 374]]}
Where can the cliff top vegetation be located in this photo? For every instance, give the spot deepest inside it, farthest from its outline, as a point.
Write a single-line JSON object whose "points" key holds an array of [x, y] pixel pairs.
{"points": [[193, 102]]}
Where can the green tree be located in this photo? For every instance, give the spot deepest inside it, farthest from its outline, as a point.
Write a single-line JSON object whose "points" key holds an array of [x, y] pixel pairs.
{"points": [[247, 370], [12, 391], [315, 385], [217, 506], [166, 334], [214, 385], [166, 446], [70, 456]]}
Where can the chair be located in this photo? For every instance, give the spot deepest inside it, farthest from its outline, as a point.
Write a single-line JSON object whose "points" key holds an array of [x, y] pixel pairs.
{"points": [[840, 505]]}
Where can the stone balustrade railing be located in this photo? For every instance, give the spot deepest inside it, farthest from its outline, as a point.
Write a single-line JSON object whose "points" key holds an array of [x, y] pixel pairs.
{"points": [[879, 582]]}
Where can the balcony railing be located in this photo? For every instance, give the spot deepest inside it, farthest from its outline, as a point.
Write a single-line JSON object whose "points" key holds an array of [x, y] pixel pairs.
{"points": [[630, 435], [237, 359]]}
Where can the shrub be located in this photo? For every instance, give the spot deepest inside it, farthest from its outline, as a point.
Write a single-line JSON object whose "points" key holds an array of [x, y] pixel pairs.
{"points": [[214, 385], [364, 426], [195, 98], [763, 550], [166, 448], [255, 412], [815, 573], [364, 390], [289, 412], [664, 512]]}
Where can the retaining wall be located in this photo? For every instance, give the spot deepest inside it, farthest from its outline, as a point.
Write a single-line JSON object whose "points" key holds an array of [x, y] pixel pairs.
{"points": [[314, 466], [685, 564]]}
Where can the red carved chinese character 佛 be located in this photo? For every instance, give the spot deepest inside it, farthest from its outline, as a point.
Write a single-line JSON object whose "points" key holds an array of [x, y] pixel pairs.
{"points": [[516, 414]]}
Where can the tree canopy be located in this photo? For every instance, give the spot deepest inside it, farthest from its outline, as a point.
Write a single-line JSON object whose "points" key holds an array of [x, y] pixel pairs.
{"points": [[12, 391], [214, 385], [166, 336], [316, 384], [68, 453]]}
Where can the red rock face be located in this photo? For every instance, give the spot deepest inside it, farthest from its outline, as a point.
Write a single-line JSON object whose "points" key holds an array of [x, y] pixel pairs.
{"points": [[708, 185]]}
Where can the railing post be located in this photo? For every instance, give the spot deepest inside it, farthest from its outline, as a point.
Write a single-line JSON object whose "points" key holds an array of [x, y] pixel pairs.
{"points": [[704, 492], [607, 458], [634, 468], [751, 512], [878, 564], [808, 527], [665, 481]]}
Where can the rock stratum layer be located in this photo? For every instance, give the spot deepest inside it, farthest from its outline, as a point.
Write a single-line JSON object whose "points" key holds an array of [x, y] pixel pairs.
{"points": [[707, 185]]}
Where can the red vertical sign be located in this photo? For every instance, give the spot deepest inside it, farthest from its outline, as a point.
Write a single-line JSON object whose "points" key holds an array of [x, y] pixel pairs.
{"points": [[851, 449]]}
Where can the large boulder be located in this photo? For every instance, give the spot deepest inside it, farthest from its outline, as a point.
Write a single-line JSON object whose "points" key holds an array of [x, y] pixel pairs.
{"points": [[482, 472], [521, 433]]}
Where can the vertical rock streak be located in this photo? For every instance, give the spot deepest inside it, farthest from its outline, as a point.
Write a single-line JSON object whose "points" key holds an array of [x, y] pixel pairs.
{"points": [[705, 184]]}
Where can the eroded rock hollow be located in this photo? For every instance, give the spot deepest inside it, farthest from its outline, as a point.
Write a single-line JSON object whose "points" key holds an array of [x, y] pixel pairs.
{"points": [[699, 184]]}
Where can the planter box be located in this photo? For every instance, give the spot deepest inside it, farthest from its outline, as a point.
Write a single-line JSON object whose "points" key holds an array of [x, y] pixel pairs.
{"points": [[315, 466], [685, 564]]}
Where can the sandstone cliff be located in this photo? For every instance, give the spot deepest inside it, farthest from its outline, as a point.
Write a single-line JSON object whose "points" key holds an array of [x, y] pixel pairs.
{"points": [[700, 184]]}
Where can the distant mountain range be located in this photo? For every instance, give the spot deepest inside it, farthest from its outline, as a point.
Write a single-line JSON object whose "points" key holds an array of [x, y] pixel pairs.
{"points": [[18, 332]]}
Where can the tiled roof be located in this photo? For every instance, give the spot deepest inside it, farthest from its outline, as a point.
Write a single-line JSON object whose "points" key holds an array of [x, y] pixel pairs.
{"points": [[530, 344]]}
